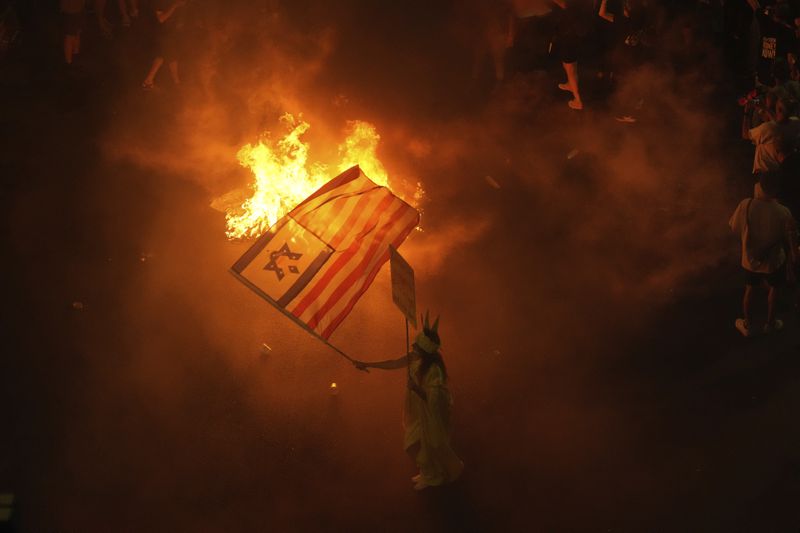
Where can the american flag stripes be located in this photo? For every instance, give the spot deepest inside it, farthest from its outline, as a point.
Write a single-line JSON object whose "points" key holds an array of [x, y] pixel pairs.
{"points": [[316, 262]]}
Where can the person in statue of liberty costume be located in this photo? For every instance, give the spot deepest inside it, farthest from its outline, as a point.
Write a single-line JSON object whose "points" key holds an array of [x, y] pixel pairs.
{"points": [[426, 417]]}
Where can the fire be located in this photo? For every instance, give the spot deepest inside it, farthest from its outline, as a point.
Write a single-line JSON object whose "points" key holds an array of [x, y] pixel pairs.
{"points": [[359, 149], [284, 175]]}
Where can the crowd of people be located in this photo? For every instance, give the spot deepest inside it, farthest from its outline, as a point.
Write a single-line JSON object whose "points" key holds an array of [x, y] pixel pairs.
{"points": [[767, 223], [164, 16], [610, 39]]}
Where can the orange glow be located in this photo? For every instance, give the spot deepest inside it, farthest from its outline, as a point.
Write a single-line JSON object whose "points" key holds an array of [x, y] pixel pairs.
{"points": [[285, 176], [359, 149]]}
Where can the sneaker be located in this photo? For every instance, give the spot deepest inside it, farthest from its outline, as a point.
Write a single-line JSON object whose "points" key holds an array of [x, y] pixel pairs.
{"points": [[775, 326], [743, 327]]}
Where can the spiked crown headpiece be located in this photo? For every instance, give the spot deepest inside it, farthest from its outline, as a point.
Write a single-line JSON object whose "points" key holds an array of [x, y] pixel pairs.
{"points": [[425, 338]]}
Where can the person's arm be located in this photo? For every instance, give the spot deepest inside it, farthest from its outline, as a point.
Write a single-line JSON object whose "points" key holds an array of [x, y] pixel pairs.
{"points": [[791, 238], [390, 364], [604, 11], [163, 16], [747, 120]]}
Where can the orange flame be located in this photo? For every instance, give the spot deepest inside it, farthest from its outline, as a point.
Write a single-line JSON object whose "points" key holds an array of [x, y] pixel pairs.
{"points": [[284, 176]]}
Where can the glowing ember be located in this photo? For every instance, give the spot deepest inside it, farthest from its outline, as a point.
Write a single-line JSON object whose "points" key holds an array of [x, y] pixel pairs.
{"points": [[284, 176]]}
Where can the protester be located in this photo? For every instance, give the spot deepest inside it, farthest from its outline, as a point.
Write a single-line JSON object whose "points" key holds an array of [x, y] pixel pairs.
{"points": [[572, 28], [777, 38], [494, 35], [764, 135], [72, 15], [627, 28], [170, 26], [427, 409], [767, 233], [102, 20]]}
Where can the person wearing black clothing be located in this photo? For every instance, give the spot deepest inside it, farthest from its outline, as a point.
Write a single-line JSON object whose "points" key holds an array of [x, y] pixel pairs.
{"points": [[777, 39], [572, 28], [627, 27], [168, 16]]}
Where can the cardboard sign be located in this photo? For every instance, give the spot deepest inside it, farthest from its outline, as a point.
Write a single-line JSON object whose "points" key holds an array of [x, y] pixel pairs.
{"points": [[403, 291]]}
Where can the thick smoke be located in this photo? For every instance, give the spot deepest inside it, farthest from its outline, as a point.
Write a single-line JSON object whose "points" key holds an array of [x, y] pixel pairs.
{"points": [[543, 230]]}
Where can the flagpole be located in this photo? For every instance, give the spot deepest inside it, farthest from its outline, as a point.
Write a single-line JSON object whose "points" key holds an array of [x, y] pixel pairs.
{"points": [[408, 348]]}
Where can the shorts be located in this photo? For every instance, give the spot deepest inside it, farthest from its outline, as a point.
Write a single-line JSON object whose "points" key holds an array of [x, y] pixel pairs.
{"points": [[773, 279], [72, 23], [568, 46], [168, 45]]}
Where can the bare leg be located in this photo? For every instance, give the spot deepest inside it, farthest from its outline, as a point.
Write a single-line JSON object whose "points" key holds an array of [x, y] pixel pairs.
{"points": [[173, 71], [746, 303], [69, 48], [498, 60], [100, 12], [151, 76], [123, 10], [771, 297], [571, 70]]}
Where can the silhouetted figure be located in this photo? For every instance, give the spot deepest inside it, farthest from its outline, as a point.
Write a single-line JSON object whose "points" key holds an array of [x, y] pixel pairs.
{"points": [[767, 231], [170, 26], [766, 134], [427, 409], [72, 14], [572, 29]]}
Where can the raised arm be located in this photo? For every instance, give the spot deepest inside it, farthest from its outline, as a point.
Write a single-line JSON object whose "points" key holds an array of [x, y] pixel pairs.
{"points": [[604, 11], [389, 364]]}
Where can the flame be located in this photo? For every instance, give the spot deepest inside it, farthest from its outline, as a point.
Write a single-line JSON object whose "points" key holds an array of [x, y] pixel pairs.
{"points": [[359, 149], [284, 176]]}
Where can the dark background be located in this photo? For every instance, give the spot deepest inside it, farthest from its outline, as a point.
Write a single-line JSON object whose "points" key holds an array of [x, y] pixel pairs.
{"points": [[587, 303]]}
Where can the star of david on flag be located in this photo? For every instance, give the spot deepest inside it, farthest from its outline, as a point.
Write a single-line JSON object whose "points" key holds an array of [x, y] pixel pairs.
{"points": [[317, 261]]}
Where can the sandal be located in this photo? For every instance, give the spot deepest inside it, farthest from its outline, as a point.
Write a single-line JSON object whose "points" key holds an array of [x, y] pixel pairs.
{"points": [[148, 85]]}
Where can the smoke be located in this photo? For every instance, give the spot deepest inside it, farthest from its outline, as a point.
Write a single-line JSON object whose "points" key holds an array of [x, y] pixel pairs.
{"points": [[544, 231]]}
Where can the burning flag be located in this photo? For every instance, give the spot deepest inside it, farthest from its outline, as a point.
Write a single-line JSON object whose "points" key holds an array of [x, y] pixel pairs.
{"points": [[317, 261]]}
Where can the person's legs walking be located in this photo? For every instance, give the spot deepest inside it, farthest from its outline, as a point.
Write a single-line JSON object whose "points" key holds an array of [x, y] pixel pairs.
{"points": [[743, 324], [149, 81], [571, 70], [173, 71]]}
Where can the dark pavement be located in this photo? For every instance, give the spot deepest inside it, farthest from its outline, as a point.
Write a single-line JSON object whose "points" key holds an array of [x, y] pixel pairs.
{"points": [[587, 304]]}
